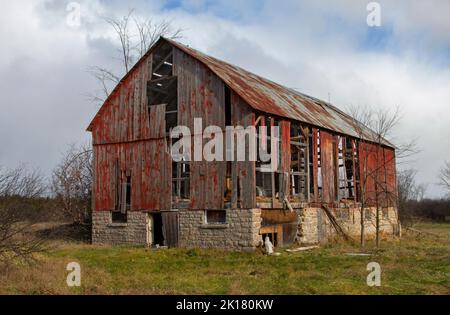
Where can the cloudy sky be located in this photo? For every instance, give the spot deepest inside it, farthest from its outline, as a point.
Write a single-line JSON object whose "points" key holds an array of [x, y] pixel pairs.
{"points": [[322, 48]]}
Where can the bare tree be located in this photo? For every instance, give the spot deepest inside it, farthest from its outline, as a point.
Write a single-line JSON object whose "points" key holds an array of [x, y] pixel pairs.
{"points": [[445, 176], [19, 190], [408, 190], [72, 184], [376, 127], [135, 36]]}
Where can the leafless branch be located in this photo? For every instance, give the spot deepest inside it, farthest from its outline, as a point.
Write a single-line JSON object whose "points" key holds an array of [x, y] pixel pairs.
{"points": [[72, 184], [121, 28], [19, 190], [376, 127], [149, 32], [445, 176], [134, 41]]}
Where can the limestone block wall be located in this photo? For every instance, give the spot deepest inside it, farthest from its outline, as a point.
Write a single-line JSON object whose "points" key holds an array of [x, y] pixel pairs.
{"points": [[315, 226], [133, 232], [240, 232]]}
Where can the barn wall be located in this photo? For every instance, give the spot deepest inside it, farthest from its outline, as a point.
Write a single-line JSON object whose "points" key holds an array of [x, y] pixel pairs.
{"points": [[124, 117], [129, 140], [126, 131], [145, 162], [201, 94], [377, 170], [241, 231]]}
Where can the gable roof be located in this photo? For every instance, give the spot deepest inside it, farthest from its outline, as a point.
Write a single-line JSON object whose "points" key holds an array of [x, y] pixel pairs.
{"points": [[270, 97]]}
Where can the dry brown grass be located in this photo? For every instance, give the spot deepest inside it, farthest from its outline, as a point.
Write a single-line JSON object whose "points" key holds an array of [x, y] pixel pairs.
{"points": [[410, 265]]}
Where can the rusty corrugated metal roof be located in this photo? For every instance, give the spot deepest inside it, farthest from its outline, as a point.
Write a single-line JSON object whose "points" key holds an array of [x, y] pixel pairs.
{"points": [[270, 97]]}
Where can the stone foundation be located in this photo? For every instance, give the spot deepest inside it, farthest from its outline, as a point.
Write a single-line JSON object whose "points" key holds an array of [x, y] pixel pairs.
{"points": [[133, 232], [242, 227], [315, 226], [240, 232]]}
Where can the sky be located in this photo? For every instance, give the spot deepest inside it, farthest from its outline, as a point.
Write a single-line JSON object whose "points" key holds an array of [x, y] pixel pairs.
{"points": [[322, 48]]}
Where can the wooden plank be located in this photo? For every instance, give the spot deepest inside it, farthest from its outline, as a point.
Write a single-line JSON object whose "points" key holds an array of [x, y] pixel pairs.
{"points": [[242, 115], [315, 165], [170, 228], [327, 162], [285, 160]]}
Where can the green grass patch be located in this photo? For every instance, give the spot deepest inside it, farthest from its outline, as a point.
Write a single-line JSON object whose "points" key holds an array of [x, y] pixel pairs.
{"points": [[409, 265]]}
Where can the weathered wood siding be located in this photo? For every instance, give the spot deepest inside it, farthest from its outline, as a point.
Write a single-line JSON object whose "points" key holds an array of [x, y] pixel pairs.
{"points": [[243, 171], [377, 170], [201, 94], [129, 140], [327, 160]]}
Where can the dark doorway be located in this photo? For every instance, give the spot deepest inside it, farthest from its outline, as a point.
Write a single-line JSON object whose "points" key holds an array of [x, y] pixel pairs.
{"points": [[158, 236], [170, 228]]}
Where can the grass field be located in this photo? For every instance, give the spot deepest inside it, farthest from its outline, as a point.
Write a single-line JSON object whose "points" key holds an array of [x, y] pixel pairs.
{"points": [[415, 264]]}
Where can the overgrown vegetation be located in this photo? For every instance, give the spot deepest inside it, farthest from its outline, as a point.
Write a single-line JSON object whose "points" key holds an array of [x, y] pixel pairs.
{"points": [[415, 264], [71, 185], [21, 199]]}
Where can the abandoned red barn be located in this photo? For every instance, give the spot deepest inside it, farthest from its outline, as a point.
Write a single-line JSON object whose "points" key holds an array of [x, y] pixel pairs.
{"points": [[329, 167]]}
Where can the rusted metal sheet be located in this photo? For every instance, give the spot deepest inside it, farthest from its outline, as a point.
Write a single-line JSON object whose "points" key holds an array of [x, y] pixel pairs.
{"points": [[273, 98]]}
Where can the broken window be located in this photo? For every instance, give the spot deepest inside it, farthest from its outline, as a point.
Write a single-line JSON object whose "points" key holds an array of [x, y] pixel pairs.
{"points": [[347, 168], [227, 106], [127, 193], [367, 214], [180, 180], [164, 91], [268, 183], [263, 179], [344, 214], [319, 167], [216, 217], [356, 173], [118, 217], [162, 88], [311, 152], [162, 61], [123, 195], [299, 167]]}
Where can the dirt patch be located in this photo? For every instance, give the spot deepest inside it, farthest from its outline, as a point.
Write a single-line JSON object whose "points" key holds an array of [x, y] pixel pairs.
{"points": [[57, 231]]}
